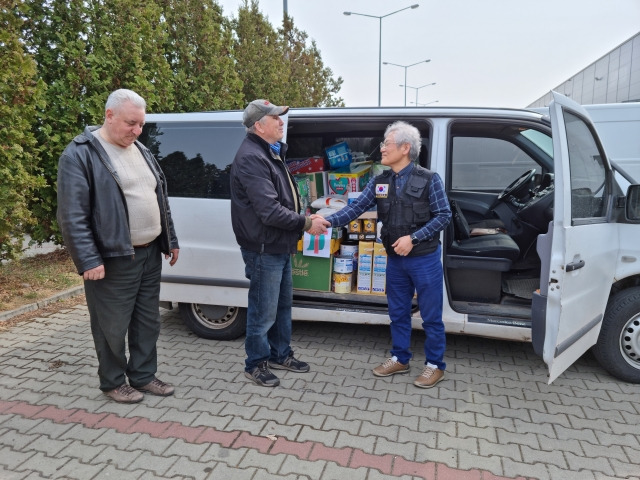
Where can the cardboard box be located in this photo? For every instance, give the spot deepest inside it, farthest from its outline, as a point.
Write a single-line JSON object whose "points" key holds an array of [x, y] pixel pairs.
{"points": [[379, 270], [311, 273], [306, 165], [342, 182], [339, 155], [367, 232], [311, 186], [365, 266]]}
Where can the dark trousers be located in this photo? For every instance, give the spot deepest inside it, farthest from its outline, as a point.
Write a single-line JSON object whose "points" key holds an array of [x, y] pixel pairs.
{"points": [[126, 302]]}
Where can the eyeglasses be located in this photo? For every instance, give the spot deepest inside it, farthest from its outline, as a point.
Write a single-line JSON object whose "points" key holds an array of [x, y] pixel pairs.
{"points": [[386, 144]]}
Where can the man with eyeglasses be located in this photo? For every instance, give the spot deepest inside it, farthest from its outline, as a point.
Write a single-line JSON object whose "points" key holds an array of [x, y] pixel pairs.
{"points": [[413, 208], [266, 220]]}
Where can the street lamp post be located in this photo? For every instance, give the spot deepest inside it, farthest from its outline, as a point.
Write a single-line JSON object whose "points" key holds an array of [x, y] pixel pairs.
{"points": [[417, 88], [405, 73], [380, 41]]}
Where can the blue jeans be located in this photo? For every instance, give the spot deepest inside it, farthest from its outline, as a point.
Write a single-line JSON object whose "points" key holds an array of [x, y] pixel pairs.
{"points": [[269, 310], [421, 274]]}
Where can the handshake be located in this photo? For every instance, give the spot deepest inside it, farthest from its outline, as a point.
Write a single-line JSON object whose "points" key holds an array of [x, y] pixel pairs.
{"points": [[318, 225]]}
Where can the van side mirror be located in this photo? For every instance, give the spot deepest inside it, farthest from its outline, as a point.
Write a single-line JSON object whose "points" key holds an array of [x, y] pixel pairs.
{"points": [[632, 204]]}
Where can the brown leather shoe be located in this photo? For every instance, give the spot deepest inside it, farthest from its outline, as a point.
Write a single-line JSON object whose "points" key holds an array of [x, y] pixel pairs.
{"points": [[158, 387], [125, 394], [429, 377], [391, 366]]}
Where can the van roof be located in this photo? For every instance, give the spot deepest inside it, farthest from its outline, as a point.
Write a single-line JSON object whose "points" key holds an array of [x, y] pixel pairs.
{"points": [[404, 112]]}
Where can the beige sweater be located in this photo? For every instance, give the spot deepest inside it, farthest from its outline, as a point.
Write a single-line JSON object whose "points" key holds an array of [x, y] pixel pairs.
{"points": [[139, 186]]}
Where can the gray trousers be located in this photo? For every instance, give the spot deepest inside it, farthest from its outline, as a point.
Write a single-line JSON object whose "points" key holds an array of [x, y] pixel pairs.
{"points": [[126, 303]]}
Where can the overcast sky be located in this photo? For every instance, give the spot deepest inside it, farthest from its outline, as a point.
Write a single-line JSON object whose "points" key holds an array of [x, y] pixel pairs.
{"points": [[503, 53]]}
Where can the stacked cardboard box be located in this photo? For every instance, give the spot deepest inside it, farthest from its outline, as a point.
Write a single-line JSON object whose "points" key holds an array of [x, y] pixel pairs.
{"points": [[379, 270], [365, 266]]}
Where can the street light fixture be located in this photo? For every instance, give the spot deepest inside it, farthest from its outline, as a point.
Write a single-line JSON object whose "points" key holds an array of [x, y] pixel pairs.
{"points": [[417, 88], [405, 73], [380, 17]]}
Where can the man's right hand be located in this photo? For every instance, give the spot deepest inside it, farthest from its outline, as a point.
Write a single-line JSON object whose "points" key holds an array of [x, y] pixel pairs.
{"points": [[318, 225], [96, 273]]}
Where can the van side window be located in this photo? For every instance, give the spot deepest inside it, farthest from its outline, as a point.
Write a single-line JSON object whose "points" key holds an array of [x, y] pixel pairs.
{"points": [[588, 172], [196, 157], [485, 164]]}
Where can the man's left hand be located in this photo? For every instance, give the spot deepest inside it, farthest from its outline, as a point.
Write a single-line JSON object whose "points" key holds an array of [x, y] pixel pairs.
{"points": [[174, 256], [403, 246]]}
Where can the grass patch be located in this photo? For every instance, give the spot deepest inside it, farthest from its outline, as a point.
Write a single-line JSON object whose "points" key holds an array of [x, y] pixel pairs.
{"points": [[32, 279]]}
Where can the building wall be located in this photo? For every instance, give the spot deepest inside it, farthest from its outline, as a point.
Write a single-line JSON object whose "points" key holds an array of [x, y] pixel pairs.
{"points": [[614, 78]]}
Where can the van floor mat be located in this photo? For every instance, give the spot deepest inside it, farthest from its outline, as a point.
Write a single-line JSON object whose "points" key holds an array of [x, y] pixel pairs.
{"points": [[520, 287]]}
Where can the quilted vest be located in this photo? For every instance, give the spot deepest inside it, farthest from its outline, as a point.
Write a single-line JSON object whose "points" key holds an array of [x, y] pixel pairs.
{"points": [[406, 212]]}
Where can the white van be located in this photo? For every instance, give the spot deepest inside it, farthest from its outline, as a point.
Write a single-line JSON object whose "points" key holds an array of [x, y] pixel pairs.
{"points": [[618, 126], [566, 276]]}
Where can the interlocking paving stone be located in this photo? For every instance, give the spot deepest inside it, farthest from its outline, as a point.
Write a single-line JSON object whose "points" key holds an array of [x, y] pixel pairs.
{"points": [[494, 417]]}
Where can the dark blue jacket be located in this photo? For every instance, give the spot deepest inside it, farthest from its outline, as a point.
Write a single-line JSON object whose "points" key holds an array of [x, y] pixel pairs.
{"points": [[263, 212]]}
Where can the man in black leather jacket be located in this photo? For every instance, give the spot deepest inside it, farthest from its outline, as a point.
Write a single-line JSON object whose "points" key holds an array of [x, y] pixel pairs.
{"points": [[114, 215]]}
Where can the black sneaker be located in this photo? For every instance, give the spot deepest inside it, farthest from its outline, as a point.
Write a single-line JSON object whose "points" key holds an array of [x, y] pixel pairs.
{"points": [[290, 364], [262, 376]]}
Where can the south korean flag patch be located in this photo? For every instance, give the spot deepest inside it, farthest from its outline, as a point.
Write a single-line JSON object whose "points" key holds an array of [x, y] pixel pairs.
{"points": [[382, 190]]}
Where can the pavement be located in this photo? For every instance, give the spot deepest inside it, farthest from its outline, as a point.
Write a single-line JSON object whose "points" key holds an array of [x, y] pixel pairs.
{"points": [[494, 417]]}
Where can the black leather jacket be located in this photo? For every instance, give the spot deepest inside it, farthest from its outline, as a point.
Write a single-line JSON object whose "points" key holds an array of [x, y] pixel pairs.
{"points": [[262, 202], [92, 211]]}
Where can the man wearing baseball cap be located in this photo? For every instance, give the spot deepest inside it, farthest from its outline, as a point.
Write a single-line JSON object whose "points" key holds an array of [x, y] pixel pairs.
{"points": [[266, 219]]}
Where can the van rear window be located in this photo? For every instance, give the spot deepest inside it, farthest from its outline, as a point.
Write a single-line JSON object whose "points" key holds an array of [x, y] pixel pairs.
{"points": [[196, 157]]}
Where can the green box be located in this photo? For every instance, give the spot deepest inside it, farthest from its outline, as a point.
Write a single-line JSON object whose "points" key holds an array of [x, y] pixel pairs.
{"points": [[311, 273], [311, 185]]}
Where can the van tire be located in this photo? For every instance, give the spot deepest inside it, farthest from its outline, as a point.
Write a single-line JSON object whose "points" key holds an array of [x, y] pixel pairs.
{"points": [[618, 346], [214, 322]]}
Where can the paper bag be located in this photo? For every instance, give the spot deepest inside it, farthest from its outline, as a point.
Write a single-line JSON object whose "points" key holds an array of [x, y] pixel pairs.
{"points": [[317, 245]]}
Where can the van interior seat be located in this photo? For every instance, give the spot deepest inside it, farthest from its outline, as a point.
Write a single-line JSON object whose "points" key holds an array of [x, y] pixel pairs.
{"points": [[492, 246], [475, 264]]}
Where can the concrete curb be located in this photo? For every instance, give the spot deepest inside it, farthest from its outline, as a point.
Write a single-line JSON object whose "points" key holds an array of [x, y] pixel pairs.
{"points": [[72, 292]]}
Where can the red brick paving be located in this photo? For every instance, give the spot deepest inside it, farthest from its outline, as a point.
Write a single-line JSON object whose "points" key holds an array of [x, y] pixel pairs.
{"points": [[299, 449], [308, 450], [340, 456], [402, 467], [368, 460]]}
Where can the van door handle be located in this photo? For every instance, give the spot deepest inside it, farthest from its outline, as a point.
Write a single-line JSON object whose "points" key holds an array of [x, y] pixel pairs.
{"points": [[574, 266]]}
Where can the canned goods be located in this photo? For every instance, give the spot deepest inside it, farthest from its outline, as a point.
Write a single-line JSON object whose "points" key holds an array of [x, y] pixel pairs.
{"points": [[369, 225], [355, 226], [343, 264], [342, 282], [349, 249]]}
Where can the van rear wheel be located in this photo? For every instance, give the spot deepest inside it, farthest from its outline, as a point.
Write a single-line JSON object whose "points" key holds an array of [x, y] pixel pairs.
{"points": [[215, 322], [618, 346]]}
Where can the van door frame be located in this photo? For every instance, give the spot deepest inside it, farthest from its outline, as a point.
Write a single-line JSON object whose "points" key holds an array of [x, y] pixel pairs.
{"points": [[578, 265]]}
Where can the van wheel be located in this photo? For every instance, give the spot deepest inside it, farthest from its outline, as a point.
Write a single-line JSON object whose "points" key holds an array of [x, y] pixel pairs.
{"points": [[215, 322], [618, 347]]}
